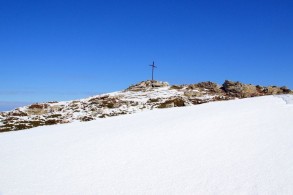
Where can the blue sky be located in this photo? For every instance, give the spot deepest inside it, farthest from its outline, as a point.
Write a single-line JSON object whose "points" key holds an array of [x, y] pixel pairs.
{"points": [[62, 50]]}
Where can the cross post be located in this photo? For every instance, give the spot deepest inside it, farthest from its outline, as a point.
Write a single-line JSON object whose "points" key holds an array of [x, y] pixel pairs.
{"points": [[153, 68]]}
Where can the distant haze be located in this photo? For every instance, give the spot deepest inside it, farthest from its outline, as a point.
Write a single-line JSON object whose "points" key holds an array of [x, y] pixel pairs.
{"points": [[6, 105]]}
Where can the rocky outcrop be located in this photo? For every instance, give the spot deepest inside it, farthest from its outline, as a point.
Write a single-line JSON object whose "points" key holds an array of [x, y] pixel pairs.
{"points": [[210, 86], [240, 90], [146, 95], [174, 102], [37, 109], [147, 85], [233, 88]]}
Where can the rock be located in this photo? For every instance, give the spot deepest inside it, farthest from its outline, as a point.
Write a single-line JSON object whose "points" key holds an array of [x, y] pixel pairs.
{"points": [[10, 118], [285, 89], [98, 100], [38, 106], [5, 129], [56, 108], [147, 85], [36, 123], [153, 100], [192, 87], [221, 98], [167, 104], [21, 126], [106, 101], [55, 116], [86, 118], [177, 87], [175, 102], [190, 93], [210, 86], [240, 90], [273, 90], [196, 101], [17, 112], [261, 90], [52, 122], [249, 91], [37, 109], [233, 88]]}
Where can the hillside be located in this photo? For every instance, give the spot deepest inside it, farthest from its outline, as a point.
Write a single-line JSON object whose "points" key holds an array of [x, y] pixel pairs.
{"points": [[239, 146], [146, 95]]}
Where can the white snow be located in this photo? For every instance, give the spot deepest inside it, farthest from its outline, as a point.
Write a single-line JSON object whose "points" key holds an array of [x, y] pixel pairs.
{"points": [[287, 98], [232, 147]]}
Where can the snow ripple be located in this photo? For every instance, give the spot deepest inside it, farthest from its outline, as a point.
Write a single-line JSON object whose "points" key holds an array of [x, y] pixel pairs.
{"points": [[287, 98]]}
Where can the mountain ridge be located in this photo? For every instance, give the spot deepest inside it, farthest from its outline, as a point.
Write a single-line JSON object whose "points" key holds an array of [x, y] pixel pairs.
{"points": [[146, 95]]}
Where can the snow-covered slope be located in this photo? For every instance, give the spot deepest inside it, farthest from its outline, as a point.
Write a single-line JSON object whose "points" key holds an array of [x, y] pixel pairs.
{"points": [[146, 95], [232, 147]]}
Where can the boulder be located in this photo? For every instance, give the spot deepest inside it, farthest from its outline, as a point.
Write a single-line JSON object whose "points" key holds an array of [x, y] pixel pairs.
{"points": [[240, 90], [233, 88]]}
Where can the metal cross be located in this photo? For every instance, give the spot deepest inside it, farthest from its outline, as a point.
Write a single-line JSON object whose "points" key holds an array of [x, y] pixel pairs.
{"points": [[153, 68]]}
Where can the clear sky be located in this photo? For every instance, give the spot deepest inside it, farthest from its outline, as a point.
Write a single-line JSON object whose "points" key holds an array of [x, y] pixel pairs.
{"points": [[62, 50]]}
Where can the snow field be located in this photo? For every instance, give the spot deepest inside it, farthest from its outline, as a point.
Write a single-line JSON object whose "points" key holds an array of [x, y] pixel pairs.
{"points": [[231, 147]]}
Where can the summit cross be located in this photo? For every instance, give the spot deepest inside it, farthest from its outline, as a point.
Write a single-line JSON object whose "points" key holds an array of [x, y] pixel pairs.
{"points": [[153, 68]]}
